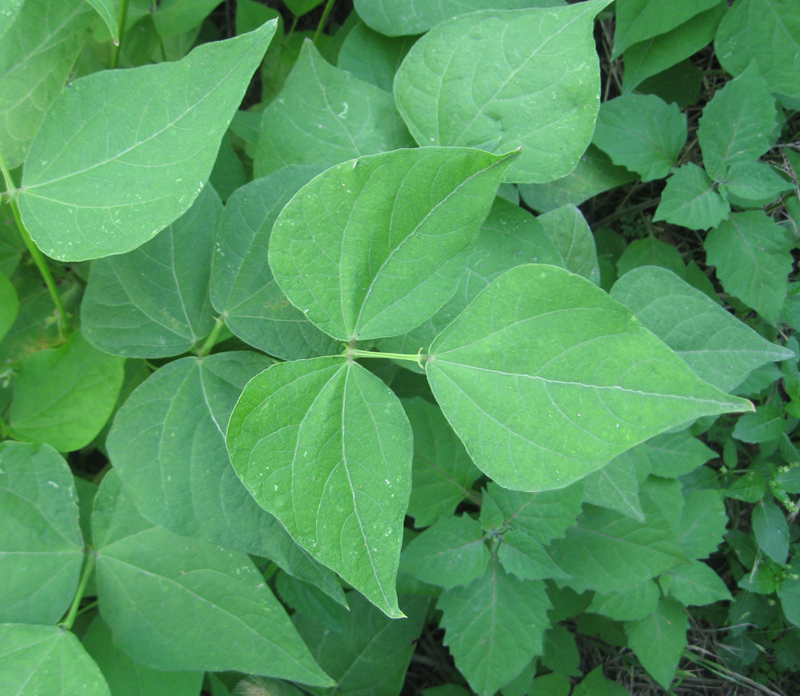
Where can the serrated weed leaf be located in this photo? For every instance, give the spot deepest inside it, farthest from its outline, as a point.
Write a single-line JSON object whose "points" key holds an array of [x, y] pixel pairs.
{"points": [[488, 80], [373, 247], [325, 446], [545, 378], [111, 166]]}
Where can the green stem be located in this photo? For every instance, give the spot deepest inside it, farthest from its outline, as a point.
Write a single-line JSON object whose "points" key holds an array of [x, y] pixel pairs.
{"points": [[88, 567], [122, 18], [4, 430], [322, 20], [212, 337], [64, 328], [353, 353]]}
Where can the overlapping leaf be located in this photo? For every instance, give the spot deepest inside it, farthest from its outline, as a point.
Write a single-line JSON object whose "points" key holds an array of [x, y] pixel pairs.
{"points": [[325, 446], [690, 199], [659, 640], [112, 165], [546, 379], [501, 80], [372, 57], [373, 247]]}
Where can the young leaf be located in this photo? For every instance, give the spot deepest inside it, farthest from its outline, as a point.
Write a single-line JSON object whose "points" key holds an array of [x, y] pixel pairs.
{"points": [[494, 627], [47, 660], [180, 604], [324, 116], [452, 552], [372, 57], [242, 286], [641, 132], [371, 656], [325, 446], [767, 423], [608, 552], [659, 640], [523, 556], [631, 604], [125, 676], [153, 301], [737, 124], [399, 17], [373, 247], [63, 396], [650, 251], [442, 473], [766, 32], [761, 283], [85, 192], [37, 53], [499, 80], [41, 550], [546, 379], [695, 584], [168, 447], [570, 234], [771, 530], [691, 200], [721, 349], [754, 181]]}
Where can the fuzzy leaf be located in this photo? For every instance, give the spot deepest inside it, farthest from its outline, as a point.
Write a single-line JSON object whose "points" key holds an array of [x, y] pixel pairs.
{"points": [[546, 379], [86, 192], [501, 80]]}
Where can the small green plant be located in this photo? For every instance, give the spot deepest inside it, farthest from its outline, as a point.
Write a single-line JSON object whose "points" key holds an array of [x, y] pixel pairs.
{"points": [[291, 372]]}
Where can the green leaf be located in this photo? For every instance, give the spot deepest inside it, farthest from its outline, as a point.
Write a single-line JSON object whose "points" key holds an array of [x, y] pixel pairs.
{"points": [[546, 379], [373, 247], [174, 17], [250, 14], [654, 56], [767, 423], [47, 660], [754, 181], [371, 655], [721, 349], [761, 282], [242, 286], [702, 524], [442, 473], [691, 200], [671, 455], [180, 604], [570, 233], [502, 80], [398, 17], [41, 550], [616, 486], [307, 599], [737, 124], [789, 591], [594, 174], [659, 640], [607, 551], [63, 396], [642, 133], [9, 305], [767, 32], [771, 530], [324, 116], [639, 20], [523, 556], [109, 12], [325, 446], [494, 627], [695, 584], [595, 684], [153, 301], [168, 446], [300, 7], [372, 57], [561, 652], [125, 676], [633, 603], [10, 11], [85, 192], [37, 53], [650, 251], [450, 553]]}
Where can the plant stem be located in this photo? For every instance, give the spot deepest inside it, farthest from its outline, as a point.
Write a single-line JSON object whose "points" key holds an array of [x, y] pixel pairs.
{"points": [[410, 357], [4, 430], [212, 337], [122, 17], [38, 258], [322, 20], [88, 566]]}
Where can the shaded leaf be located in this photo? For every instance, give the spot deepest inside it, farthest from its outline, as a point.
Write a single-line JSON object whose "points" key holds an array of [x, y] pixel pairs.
{"points": [[703, 523], [373, 57], [650, 251], [174, 17], [767, 423], [41, 549], [691, 200], [771, 530], [616, 486], [659, 640], [695, 584], [570, 234], [502, 80], [85, 192]]}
